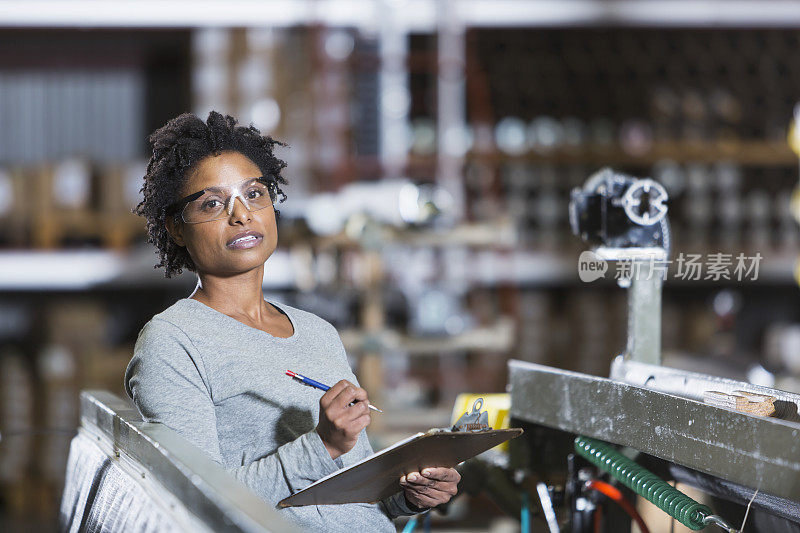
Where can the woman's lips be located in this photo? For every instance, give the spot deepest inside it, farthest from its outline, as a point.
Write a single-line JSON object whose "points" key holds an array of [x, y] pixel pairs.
{"points": [[245, 240]]}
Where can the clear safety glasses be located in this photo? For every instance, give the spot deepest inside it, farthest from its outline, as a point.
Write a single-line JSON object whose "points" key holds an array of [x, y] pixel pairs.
{"points": [[214, 203]]}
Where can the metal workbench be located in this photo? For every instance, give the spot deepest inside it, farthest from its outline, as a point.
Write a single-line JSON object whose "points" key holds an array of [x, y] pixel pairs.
{"points": [[635, 410]]}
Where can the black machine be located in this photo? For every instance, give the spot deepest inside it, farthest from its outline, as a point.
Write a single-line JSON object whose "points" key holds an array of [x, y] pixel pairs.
{"points": [[619, 211]]}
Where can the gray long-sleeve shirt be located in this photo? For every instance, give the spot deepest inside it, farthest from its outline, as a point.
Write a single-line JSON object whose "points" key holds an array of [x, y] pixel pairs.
{"points": [[221, 384]]}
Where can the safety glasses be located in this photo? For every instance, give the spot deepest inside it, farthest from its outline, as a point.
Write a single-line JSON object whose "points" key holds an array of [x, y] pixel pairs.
{"points": [[214, 203]]}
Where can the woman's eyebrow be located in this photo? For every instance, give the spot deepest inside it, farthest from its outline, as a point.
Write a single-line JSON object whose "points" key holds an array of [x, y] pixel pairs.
{"points": [[219, 188]]}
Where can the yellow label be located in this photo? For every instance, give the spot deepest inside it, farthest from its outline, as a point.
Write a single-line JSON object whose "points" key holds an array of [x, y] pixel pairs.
{"points": [[497, 405]]}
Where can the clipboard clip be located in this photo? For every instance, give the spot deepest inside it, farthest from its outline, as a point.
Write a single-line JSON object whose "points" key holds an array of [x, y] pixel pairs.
{"points": [[476, 420]]}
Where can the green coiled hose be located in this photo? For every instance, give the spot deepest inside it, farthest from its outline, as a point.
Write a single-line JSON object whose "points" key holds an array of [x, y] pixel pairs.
{"points": [[644, 483]]}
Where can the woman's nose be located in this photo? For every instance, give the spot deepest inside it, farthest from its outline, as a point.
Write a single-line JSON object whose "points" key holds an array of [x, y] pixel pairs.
{"points": [[238, 211]]}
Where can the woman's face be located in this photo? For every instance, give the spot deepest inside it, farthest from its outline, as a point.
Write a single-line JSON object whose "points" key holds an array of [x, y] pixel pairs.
{"points": [[212, 245]]}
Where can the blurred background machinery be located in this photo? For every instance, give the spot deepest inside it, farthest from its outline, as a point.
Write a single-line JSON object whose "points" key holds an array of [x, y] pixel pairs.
{"points": [[468, 122]]}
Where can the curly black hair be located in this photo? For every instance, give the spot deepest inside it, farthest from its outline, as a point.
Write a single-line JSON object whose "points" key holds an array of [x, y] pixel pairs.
{"points": [[178, 147]]}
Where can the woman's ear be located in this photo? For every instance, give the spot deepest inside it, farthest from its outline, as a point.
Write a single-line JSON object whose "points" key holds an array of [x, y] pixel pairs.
{"points": [[175, 231]]}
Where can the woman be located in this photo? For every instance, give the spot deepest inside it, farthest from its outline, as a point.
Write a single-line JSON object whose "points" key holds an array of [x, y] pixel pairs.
{"points": [[212, 365]]}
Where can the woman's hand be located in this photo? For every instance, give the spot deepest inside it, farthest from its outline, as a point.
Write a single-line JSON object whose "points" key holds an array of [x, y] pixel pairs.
{"points": [[339, 422], [434, 486]]}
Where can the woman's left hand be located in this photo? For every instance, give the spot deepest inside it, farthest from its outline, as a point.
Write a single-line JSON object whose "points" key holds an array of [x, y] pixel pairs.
{"points": [[431, 487]]}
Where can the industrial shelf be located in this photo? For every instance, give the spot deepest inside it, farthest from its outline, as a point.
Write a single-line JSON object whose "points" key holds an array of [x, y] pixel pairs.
{"points": [[754, 152], [74, 270]]}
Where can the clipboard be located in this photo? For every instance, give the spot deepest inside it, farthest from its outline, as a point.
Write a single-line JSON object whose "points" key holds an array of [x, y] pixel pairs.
{"points": [[378, 476]]}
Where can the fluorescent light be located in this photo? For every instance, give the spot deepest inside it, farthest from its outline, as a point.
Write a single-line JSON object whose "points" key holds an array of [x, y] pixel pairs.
{"points": [[415, 15]]}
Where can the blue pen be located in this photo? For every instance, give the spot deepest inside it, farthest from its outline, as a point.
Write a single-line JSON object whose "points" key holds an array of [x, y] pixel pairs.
{"points": [[318, 385]]}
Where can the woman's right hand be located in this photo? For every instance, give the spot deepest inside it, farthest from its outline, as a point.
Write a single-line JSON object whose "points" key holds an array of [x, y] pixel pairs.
{"points": [[339, 422]]}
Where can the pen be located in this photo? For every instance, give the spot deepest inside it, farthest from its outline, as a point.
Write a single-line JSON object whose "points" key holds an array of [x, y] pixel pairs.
{"points": [[318, 385]]}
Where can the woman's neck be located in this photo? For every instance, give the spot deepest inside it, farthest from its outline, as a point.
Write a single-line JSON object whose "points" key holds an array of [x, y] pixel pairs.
{"points": [[234, 295]]}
